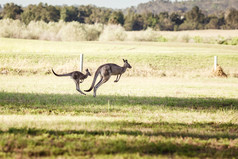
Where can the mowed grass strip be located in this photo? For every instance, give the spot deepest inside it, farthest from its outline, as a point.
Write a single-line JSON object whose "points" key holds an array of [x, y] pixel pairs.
{"points": [[147, 58], [127, 86], [114, 125], [41, 136], [73, 125], [43, 103]]}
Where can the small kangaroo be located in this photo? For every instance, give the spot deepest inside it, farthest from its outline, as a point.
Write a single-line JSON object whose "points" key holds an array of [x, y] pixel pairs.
{"points": [[105, 71], [77, 76]]}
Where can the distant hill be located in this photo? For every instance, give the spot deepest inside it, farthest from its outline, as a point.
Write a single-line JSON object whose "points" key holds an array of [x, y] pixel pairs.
{"points": [[207, 6]]}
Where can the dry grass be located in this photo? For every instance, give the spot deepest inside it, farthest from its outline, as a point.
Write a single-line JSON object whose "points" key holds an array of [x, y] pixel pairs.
{"points": [[74, 31], [127, 86], [149, 59], [201, 33], [219, 72], [192, 36], [36, 125]]}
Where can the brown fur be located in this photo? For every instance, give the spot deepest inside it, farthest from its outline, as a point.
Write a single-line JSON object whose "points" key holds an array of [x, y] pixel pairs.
{"points": [[77, 76], [106, 71]]}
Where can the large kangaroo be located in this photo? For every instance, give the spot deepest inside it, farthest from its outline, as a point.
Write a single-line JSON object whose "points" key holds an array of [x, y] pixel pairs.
{"points": [[105, 71], [77, 76]]}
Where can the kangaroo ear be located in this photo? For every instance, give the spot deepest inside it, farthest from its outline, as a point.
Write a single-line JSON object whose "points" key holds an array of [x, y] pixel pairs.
{"points": [[123, 60]]}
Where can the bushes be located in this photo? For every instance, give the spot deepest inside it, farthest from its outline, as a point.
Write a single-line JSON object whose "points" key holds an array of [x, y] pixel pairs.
{"points": [[11, 28], [197, 39], [74, 31], [38, 30], [161, 39], [147, 35], [228, 41], [113, 33]]}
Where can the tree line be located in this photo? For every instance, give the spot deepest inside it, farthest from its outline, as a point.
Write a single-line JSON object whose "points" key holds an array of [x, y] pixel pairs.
{"points": [[207, 6], [129, 19]]}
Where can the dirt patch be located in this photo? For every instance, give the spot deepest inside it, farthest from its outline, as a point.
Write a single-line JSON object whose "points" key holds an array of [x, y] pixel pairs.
{"points": [[219, 72]]}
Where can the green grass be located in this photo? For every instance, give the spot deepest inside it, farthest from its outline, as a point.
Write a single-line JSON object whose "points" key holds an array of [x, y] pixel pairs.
{"points": [[41, 125], [45, 116], [185, 113], [147, 58]]}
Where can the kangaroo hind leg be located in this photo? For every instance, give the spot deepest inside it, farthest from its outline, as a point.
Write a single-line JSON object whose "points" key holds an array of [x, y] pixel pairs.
{"points": [[77, 87], [103, 80]]}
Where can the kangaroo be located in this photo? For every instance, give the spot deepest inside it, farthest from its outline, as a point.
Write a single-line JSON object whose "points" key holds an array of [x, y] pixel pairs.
{"points": [[77, 76], [106, 71]]}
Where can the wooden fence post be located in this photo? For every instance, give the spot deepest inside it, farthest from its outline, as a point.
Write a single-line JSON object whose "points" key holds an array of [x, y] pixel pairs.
{"points": [[81, 62], [215, 63]]}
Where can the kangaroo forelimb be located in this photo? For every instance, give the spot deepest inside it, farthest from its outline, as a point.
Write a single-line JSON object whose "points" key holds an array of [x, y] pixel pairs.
{"points": [[118, 78]]}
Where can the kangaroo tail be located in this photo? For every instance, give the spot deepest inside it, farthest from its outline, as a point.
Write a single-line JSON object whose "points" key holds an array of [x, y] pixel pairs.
{"points": [[67, 74], [94, 80]]}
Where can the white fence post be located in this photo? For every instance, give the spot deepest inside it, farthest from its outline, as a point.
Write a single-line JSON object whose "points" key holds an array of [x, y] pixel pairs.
{"points": [[81, 63], [215, 63]]}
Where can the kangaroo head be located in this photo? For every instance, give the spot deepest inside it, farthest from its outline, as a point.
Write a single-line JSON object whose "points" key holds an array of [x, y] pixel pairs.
{"points": [[88, 72], [126, 64]]}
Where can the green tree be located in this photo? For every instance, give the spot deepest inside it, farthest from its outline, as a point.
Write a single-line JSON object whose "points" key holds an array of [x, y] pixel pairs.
{"points": [[85, 13], [194, 19], [138, 23], [40, 12], [94, 15], [150, 20], [12, 11], [232, 19], [129, 20], [165, 22], [116, 17], [29, 14], [1, 11], [133, 21], [176, 20], [104, 15], [69, 13], [213, 22], [221, 21], [52, 14]]}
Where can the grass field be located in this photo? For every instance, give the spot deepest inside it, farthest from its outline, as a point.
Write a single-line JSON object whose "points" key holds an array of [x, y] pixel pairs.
{"points": [[167, 106], [148, 59]]}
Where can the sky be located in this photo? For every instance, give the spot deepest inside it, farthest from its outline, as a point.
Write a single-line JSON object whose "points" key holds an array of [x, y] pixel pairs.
{"points": [[115, 4]]}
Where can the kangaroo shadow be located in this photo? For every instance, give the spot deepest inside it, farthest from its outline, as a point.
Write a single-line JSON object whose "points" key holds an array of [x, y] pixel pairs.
{"points": [[159, 129], [32, 99], [17, 101], [106, 146]]}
